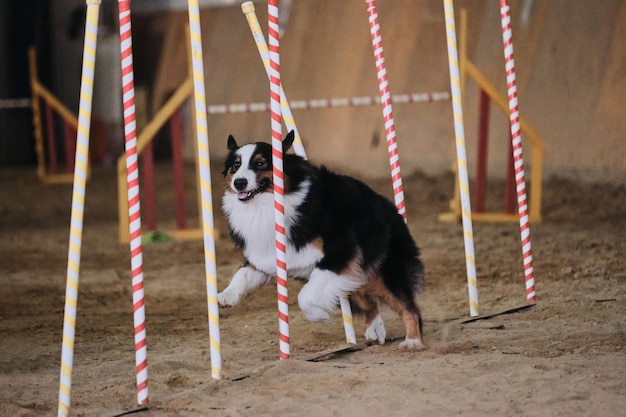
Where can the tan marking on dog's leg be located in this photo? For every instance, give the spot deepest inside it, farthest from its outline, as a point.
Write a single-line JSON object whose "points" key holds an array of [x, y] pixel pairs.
{"points": [[367, 305], [374, 325], [411, 325], [413, 339]]}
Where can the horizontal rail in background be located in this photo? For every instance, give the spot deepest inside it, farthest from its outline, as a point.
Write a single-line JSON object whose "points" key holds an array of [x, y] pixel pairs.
{"points": [[329, 103], [14, 103]]}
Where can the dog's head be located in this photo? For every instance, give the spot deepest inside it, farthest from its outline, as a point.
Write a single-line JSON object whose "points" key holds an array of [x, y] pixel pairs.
{"points": [[248, 168]]}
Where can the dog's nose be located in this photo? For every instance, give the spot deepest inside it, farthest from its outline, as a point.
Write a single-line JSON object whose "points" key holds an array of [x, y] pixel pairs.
{"points": [[240, 184]]}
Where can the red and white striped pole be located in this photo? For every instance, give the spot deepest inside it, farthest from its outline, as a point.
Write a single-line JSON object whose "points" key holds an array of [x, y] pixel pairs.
{"points": [[287, 116], [516, 140], [134, 213], [279, 183], [385, 97]]}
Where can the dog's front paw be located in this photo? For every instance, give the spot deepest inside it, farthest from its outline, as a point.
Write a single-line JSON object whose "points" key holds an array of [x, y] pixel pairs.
{"points": [[228, 298], [316, 314], [376, 330], [412, 344], [312, 311]]}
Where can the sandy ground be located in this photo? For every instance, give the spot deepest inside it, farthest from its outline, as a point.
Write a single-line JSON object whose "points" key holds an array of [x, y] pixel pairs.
{"points": [[563, 356]]}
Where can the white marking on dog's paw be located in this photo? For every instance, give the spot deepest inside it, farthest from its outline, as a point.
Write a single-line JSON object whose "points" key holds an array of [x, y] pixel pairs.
{"points": [[228, 298], [243, 282], [376, 330], [314, 312], [412, 344]]}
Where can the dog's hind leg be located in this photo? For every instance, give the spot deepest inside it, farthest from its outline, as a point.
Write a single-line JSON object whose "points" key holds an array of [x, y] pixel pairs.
{"points": [[413, 326], [411, 316], [375, 328], [246, 279], [402, 301], [403, 276]]}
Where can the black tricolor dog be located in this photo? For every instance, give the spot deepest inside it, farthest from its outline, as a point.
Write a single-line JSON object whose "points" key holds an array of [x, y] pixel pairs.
{"points": [[342, 238]]}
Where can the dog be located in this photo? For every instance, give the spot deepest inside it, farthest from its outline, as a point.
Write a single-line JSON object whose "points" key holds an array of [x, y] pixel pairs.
{"points": [[342, 239]]}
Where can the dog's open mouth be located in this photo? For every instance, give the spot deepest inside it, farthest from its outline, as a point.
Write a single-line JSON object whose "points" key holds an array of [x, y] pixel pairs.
{"points": [[249, 195]]}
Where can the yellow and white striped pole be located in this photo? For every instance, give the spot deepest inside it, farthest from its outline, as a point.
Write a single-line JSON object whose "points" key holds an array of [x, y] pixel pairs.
{"points": [[348, 324], [261, 44], [205, 187], [457, 108], [287, 116], [78, 205]]}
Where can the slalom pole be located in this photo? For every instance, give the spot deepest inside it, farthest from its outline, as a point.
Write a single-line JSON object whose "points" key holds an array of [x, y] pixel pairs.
{"points": [[279, 181], [78, 206], [134, 211], [287, 116], [457, 108], [385, 98], [259, 39], [205, 188], [516, 140]]}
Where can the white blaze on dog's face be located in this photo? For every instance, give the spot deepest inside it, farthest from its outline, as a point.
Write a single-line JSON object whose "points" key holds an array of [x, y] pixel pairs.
{"points": [[248, 169]]}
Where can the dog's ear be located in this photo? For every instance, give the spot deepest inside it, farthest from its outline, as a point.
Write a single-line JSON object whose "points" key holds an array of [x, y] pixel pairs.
{"points": [[232, 145], [288, 141]]}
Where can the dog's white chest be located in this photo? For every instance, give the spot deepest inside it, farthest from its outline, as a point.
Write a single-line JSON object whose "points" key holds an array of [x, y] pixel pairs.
{"points": [[254, 221]]}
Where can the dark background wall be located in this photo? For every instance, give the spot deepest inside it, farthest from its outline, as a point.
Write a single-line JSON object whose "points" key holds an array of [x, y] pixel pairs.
{"points": [[17, 23]]}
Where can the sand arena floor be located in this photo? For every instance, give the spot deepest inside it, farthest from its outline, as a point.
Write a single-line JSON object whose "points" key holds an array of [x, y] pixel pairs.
{"points": [[563, 356]]}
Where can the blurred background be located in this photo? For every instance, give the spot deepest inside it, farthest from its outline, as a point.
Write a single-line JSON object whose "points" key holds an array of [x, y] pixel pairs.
{"points": [[570, 60]]}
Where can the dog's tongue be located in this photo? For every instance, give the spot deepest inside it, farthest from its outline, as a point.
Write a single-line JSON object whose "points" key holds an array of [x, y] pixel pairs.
{"points": [[242, 195]]}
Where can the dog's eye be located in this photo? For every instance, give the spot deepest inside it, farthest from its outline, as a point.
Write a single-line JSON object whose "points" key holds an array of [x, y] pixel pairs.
{"points": [[236, 166], [261, 163]]}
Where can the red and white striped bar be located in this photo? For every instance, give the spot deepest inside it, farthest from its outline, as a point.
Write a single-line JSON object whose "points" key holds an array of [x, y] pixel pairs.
{"points": [[134, 212], [385, 96], [279, 191], [516, 140], [325, 103]]}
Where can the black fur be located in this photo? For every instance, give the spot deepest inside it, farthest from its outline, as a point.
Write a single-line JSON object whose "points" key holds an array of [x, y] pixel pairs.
{"points": [[348, 215]]}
